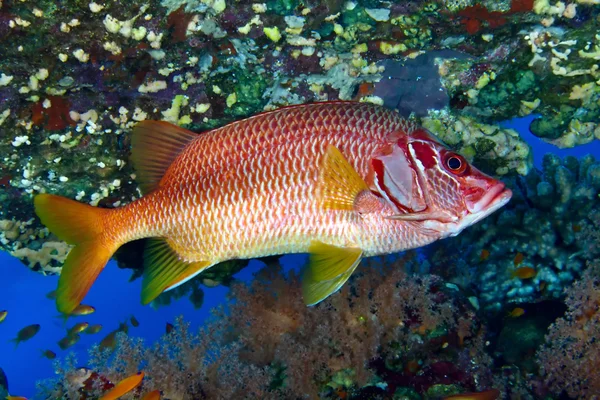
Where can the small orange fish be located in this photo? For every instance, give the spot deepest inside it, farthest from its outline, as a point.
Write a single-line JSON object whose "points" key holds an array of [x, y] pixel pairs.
{"points": [[518, 259], [26, 333], [78, 311], [123, 327], [153, 395], [68, 341], [77, 328], [93, 329], [485, 254], [109, 341], [3, 315], [524, 273], [123, 387], [82, 309], [16, 398], [49, 354], [491, 394], [516, 312]]}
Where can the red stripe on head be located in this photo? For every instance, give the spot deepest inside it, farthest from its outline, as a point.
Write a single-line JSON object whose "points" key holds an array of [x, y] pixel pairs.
{"points": [[422, 134], [425, 154]]}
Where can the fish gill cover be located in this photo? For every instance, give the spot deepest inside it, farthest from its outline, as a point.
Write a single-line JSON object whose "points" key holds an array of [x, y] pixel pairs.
{"points": [[75, 78]]}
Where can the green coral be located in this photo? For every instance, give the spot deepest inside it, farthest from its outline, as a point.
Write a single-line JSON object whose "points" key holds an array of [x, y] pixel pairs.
{"points": [[503, 95], [357, 16], [491, 148], [441, 390], [403, 393], [249, 88], [283, 7]]}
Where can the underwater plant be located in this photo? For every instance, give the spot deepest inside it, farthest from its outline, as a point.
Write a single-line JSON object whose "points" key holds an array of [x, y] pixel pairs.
{"points": [[386, 333]]}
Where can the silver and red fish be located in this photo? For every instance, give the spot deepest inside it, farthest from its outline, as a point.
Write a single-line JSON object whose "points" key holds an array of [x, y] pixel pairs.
{"points": [[339, 180]]}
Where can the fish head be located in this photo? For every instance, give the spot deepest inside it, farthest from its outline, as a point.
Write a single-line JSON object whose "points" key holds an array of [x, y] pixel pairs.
{"points": [[428, 183]]}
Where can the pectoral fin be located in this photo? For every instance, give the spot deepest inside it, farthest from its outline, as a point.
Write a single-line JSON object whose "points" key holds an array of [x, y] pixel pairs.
{"points": [[164, 270], [340, 187], [328, 269]]}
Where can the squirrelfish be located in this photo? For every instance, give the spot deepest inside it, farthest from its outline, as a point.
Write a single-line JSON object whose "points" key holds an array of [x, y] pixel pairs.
{"points": [[339, 180]]}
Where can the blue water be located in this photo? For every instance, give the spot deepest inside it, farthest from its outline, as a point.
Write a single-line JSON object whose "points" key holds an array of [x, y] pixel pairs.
{"points": [[23, 294]]}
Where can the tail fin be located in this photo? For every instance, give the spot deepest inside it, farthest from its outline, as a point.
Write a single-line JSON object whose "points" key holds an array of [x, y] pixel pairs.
{"points": [[81, 225]]}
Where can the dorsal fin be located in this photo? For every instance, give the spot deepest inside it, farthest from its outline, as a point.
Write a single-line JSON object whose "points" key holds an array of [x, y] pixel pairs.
{"points": [[154, 146]]}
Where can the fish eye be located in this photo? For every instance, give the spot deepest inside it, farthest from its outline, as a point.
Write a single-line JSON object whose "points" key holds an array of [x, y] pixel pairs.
{"points": [[456, 163]]}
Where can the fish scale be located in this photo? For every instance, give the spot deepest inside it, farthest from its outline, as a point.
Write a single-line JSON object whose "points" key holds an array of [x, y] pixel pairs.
{"points": [[340, 180], [231, 161]]}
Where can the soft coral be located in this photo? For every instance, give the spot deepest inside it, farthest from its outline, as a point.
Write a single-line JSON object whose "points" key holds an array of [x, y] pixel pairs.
{"points": [[570, 359]]}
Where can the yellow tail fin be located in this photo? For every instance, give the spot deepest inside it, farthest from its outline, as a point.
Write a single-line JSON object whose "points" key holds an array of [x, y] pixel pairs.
{"points": [[83, 226]]}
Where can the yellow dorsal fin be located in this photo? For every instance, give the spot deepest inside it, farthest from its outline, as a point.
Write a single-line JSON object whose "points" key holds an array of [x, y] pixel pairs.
{"points": [[340, 187], [154, 147], [329, 267], [163, 270]]}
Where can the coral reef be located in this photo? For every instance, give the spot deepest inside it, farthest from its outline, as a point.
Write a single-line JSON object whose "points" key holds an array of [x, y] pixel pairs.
{"points": [[387, 334], [493, 149], [74, 79], [537, 245], [569, 361]]}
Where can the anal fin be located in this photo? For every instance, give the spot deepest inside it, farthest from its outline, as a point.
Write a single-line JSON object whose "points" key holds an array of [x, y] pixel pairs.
{"points": [[328, 269], [164, 270]]}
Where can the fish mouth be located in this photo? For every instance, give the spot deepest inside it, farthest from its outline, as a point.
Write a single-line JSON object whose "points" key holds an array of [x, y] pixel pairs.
{"points": [[494, 199]]}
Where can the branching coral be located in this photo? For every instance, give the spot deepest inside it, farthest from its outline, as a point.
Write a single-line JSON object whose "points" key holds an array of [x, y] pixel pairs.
{"points": [[385, 333], [551, 222]]}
